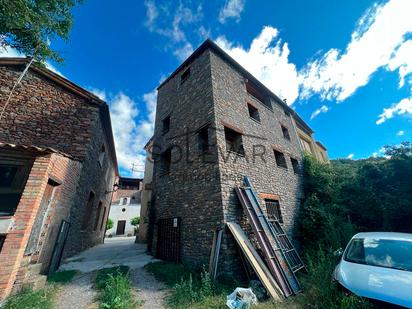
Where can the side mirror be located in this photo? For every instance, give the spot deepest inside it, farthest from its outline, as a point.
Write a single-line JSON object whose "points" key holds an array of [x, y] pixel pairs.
{"points": [[338, 252]]}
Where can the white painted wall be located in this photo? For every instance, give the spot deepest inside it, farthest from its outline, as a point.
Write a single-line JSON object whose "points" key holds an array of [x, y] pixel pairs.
{"points": [[117, 213]]}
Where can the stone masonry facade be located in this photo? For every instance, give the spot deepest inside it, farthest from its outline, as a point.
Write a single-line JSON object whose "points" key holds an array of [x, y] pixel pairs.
{"points": [[199, 188], [66, 132]]}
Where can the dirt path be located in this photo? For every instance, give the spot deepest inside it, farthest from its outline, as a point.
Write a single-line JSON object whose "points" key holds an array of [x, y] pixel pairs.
{"points": [[151, 291], [79, 294]]}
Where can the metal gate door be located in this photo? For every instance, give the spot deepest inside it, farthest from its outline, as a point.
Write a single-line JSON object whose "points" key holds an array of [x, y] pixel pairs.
{"points": [[58, 246], [168, 239]]}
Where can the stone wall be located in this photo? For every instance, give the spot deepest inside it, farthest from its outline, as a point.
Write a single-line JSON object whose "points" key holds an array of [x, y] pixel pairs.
{"points": [[215, 93], [191, 190]]}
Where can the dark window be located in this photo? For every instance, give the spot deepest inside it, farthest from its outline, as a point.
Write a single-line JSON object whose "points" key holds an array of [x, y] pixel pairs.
{"points": [[295, 165], [13, 177], [165, 161], [185, 76], [234, 141], [97, 219], [124, 201], [203, 140], [88, 212], [253, 112], [258, 94], [166, 124], [103, 218], [101, 155], [285, 132], [2, 239], [280, 159], [273, 210]]}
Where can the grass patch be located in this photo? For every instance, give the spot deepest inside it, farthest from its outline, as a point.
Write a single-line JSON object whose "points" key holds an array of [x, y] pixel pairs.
{"points": [[29, 299], [115, 288], [64, 276], [170, 273]]}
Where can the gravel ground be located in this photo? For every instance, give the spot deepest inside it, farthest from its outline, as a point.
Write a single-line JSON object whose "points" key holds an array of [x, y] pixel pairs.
{"points": [[151, 291], [79, 293]]}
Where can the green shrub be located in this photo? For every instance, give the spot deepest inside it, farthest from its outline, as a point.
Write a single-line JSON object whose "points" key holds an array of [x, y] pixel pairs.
{"points": [[62, 276], [135, 221], [116, 293], [103, 275], [29, 299], [109, 224]]}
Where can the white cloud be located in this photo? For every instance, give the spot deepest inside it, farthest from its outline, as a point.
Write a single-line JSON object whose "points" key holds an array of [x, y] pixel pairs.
{"points": [[231, 9], [267, 59], [337, 75], [350, 156], [404, 107], [131, 129], [400, 133], [322, 109], [159, 20], [402, 60]]}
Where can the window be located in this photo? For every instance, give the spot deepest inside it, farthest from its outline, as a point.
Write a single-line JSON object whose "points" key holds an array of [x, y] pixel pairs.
{"points": [[101, 155], [234, 141], [389, 253], [253, 112], [103, 218], [166, 125], [280, 159], [2, 239], [295, 165], [253, 90], [13, 177], [273, 210], [124, 201], [98, 213], [88, 211], [165, 161], [185, 76], [203, 140], [285, 132], [306, 145]]}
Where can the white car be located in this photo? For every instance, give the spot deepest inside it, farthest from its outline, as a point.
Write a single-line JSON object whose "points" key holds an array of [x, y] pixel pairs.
{"points": [[378, 266]]}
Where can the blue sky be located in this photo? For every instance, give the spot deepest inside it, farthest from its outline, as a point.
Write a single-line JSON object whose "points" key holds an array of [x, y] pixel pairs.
{"points": [[344, 66]]}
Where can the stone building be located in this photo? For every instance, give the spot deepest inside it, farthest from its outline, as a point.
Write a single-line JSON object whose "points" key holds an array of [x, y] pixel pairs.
{"points": [[215, 122], [57, 170], [125, 206], [146, 194]]}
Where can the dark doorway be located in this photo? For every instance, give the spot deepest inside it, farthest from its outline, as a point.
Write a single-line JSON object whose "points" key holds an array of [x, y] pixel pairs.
{"points": [[168, 241], [121, 225], [59, 246]]}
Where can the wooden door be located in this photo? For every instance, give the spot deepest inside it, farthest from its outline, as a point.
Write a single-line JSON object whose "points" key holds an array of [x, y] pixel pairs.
{"points": [[59, 246], [121, 225]]}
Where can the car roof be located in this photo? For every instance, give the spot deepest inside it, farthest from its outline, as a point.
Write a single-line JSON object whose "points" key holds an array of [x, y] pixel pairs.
{"points": [[385, 235]]}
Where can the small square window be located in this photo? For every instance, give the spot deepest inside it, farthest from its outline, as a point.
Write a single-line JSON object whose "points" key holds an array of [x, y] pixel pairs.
{"points": [[273, 210], [280, 159], [234, 141], [185, 76], [203, 140], [166, 124], [165, 161], [102, 155], [285, 132], [253, 112], [295, 165]]}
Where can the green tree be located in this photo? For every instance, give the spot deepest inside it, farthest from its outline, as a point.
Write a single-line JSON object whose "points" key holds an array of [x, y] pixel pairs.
{"points": [[28, 26], [135, 221], [109, 224]]}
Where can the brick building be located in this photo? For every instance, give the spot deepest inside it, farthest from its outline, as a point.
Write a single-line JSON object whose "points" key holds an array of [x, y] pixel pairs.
{"points": [[57, 170], [215, 123]]}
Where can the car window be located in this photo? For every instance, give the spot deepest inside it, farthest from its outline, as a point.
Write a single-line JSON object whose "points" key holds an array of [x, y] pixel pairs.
{"points": [[388, 253]]}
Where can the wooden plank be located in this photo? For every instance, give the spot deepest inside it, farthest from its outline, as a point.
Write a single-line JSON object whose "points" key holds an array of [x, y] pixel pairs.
{"points": [[214, 255], [255, 260]]}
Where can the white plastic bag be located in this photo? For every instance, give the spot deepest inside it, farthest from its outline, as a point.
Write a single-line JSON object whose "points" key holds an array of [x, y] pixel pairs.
{"points": [[241, 299]]}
